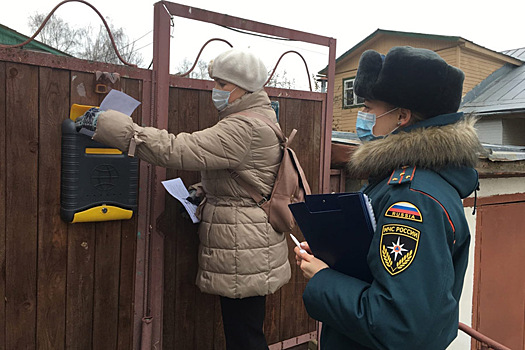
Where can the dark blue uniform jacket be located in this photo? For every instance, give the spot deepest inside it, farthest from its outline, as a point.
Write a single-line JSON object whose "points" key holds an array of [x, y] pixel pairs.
{"points": [[418, 256]]}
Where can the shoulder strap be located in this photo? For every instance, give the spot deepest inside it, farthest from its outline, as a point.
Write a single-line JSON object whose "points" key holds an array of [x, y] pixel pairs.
{"points": [[256, 196]]}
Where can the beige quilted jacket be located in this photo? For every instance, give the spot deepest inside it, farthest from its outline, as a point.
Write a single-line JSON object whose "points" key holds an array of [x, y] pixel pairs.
{"points": [[240, 255]]}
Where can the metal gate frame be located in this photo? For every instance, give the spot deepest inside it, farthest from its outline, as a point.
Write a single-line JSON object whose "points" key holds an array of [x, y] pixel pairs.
{"points": [[150, 286]]}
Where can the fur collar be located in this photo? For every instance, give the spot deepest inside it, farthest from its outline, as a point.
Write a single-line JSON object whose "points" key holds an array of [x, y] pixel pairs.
{"points": [[432, 148]]}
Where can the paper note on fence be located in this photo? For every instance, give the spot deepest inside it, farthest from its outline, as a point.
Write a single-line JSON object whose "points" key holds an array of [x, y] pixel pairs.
{"points": [[176, 188]]}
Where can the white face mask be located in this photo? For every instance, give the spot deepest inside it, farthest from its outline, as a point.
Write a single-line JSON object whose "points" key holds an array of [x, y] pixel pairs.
{"points": [[220, 98]]}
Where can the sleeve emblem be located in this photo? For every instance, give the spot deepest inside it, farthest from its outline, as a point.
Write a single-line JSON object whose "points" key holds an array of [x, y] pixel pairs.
{"points": [[404, 210], [398, 247]]}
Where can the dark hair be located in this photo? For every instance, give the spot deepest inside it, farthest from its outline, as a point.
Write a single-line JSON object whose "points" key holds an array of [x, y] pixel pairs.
{"points": [[416, 117]]}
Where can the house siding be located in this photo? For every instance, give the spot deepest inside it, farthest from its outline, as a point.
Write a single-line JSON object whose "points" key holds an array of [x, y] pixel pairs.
{"points": [[513, 131], [490, 131], [476, 68]]}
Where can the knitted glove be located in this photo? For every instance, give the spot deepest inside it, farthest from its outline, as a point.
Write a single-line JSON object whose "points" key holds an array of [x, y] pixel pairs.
{"points": [[195, 196], [88, 120]]}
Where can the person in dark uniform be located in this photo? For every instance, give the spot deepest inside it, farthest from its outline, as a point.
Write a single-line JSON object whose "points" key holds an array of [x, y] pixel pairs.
{"points": [[419, 155]]}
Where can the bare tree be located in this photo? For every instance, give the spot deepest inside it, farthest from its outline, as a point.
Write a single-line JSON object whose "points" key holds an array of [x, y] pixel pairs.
{"points": [[57, 33], [98, 47], [84, 42], [199, 72], [281, 80]]}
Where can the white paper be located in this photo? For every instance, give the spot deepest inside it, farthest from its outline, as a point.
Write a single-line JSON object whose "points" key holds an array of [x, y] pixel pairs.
{"points": [[370, 211], [119, 101], [176, 188]]}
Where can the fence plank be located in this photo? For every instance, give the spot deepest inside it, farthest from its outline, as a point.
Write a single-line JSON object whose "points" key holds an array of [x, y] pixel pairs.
{"points": [[21, 205], [308, 147], [291, 304], [79, 298], [3, 193], [186, 237], [128, 245], [219, 339], [81, 248], [272, 321], [52, 231], [106, 287], [169, 229], [126, 286]]}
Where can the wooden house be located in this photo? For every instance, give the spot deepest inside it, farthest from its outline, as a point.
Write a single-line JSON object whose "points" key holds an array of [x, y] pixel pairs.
{"points": [[476, 61]]}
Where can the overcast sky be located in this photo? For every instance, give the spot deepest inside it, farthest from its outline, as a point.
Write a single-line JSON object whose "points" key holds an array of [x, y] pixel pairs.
{"points": [[496, 25]]}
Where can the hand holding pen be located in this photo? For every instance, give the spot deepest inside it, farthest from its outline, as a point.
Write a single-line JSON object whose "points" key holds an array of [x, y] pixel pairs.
{"points": [[308, 263]]}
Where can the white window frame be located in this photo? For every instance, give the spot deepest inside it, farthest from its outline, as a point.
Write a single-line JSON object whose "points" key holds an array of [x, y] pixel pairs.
{"points": [[357, 101]]}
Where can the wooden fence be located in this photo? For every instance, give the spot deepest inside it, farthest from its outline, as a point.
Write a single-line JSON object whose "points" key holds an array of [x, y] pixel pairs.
{"points": [[81, 286], [64, 286]]}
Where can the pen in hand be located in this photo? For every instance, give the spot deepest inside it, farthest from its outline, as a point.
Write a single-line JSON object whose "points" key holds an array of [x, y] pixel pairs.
{"points": [[297, 243]]}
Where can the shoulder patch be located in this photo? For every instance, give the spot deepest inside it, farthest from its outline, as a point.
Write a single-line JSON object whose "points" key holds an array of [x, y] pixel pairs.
{"points": [[398, 247], [404, 210], [402, 175]]}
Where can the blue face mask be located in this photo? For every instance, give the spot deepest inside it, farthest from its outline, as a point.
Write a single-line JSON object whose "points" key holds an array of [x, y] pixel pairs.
{"points": [[220, 98], [365, 125]]}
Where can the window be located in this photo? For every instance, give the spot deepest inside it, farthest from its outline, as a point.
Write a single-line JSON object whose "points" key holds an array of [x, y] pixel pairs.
{"points": [[349, 97]]}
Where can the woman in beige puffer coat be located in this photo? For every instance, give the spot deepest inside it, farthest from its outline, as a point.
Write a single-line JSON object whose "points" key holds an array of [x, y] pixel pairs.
{"points": [[241, 257]]}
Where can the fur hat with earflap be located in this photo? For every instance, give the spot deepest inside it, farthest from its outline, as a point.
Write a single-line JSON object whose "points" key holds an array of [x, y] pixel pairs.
{"points": [[239, 67], [412, 78]]}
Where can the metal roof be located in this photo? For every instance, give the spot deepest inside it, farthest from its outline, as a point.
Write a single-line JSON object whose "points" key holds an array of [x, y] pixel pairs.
{"points": [[503, 153], [501, 92], [10, 36], [345, 137], [516, 53]]}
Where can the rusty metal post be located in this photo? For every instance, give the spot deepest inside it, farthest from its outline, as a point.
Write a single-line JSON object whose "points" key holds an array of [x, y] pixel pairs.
{"points": [[151, 335], [328, 119], [492, 344]]}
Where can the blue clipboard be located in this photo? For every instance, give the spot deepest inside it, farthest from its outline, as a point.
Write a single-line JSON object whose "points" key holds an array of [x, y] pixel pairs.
{"points": [[339, 229]]}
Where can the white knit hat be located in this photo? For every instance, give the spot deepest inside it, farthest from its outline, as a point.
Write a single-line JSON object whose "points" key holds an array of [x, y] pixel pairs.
{"points": [[239, 67]]}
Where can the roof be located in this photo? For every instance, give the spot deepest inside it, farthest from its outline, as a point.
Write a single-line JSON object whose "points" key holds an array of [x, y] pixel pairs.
{"points": [[391, 32], [501, 92], [9, 36], [504, 153], [516, 53], [345, 137]]}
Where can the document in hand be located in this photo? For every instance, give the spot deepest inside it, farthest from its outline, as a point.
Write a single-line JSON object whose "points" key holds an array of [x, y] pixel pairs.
{"points": [[178, 190], [338, 228]]}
